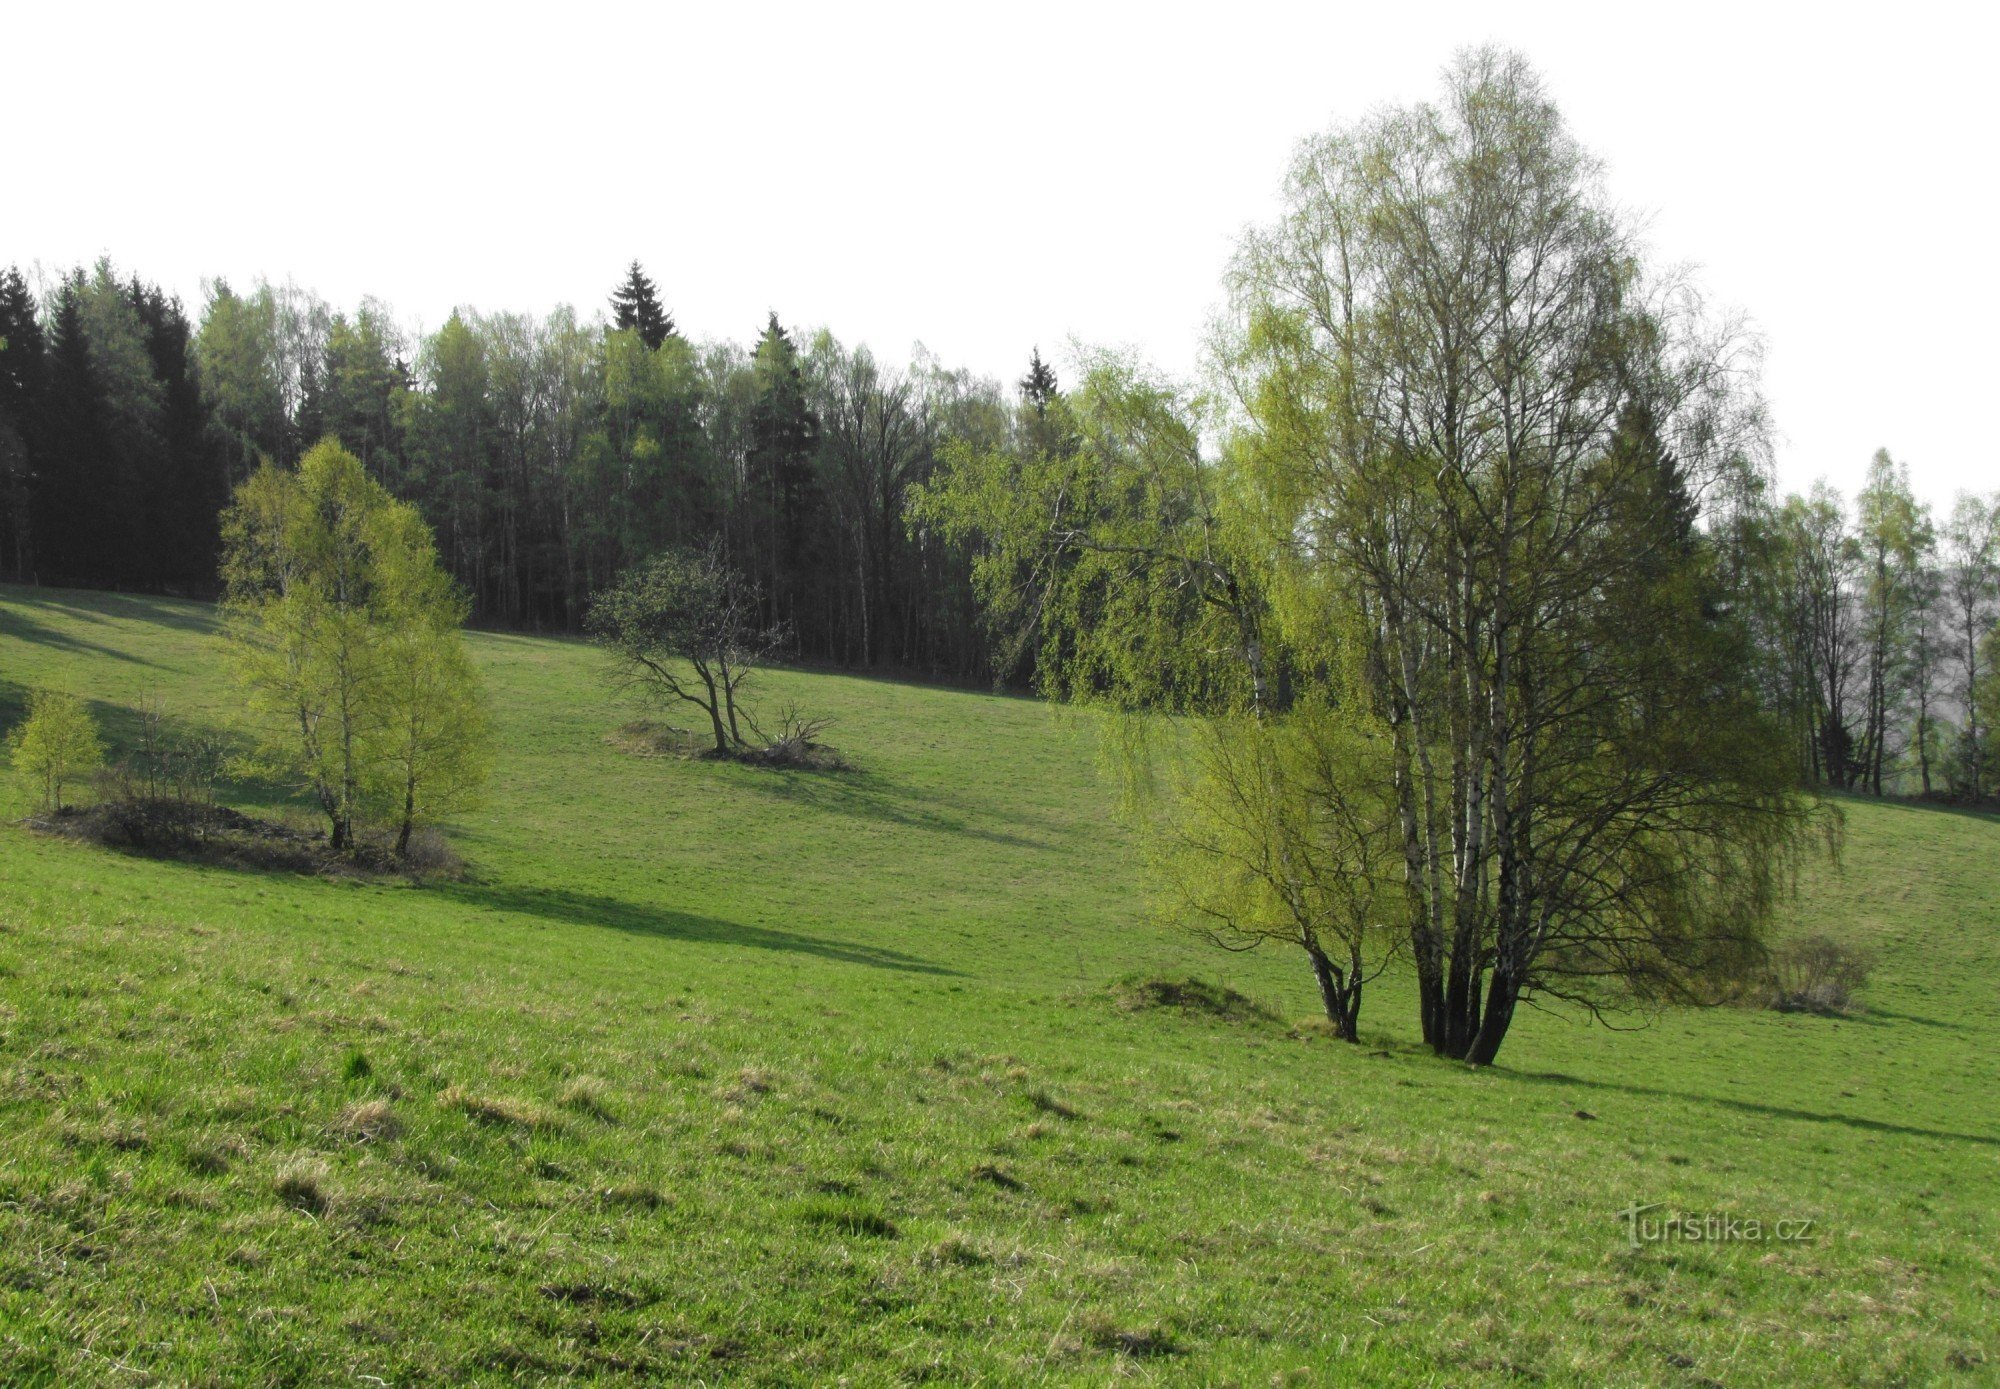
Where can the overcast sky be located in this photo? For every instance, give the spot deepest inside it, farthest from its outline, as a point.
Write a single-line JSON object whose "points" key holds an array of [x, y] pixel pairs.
{"points": [[988, 179]]}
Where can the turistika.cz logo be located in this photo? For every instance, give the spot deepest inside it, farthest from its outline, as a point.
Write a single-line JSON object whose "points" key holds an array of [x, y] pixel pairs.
{"points": [[1708, 1227]]}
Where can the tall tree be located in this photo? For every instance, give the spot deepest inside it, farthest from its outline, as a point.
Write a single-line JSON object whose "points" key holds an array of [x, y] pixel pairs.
{"points": [[77, 511], [1893, 531], [635, 307], [242, 373], [1435, 520], [780, 486], [22, 366], [1971, 580]]}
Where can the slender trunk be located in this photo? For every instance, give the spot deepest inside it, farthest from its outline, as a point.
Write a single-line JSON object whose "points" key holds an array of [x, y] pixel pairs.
{"points": [[409, 818]]}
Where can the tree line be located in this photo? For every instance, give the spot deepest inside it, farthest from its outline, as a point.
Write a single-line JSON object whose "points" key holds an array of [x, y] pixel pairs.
{"points": [[549, 453], [1875, 627]]}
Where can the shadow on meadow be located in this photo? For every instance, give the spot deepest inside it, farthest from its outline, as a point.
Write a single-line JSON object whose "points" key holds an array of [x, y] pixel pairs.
{"points": [[869, 796], [175, 615], [590, 909], [17, 624], [1769, 1111]]}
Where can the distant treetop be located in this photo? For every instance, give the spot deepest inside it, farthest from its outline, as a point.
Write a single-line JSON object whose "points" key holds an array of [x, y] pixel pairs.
{"points": [[1038, 387], [636, 305]]}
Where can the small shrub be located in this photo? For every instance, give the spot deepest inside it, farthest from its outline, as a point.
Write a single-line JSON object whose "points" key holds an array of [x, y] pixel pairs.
{"points": [[1817, 974]]}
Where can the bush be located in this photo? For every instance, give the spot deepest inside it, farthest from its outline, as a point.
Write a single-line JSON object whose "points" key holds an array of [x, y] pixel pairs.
{"points": [[1817, 974], [797, 744]]}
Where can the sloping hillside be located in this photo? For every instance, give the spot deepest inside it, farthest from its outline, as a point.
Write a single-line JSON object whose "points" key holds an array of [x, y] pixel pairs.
{"points": [[710, 1073]]}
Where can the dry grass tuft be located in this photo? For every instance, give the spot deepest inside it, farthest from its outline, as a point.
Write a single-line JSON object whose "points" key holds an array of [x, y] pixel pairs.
{"points": [[302, 1184], [368, 1121], [587, 1095], [491, 1109]]}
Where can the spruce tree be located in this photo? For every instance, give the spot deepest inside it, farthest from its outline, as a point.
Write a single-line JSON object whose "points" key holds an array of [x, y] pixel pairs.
{"points": [[21, 369], [783, 436], [189, 486], [635, 306], [72, 491], [1038, 387]]}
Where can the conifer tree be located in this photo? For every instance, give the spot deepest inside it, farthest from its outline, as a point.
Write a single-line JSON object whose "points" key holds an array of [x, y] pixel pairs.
{"points": [[21, 367], [635, 306], [68, 504], [784, 487], [1038, 387]]}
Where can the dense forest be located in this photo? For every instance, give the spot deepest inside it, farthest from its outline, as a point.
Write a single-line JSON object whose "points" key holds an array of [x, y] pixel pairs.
{"points": [[550, 454]]}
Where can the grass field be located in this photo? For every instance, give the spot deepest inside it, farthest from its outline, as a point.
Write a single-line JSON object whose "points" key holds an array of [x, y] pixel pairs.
{"points": [[711, 1074]]}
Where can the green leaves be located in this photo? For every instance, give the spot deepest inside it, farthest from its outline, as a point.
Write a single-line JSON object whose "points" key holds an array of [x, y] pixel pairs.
{"points": [[56, 745], [346, 634]]}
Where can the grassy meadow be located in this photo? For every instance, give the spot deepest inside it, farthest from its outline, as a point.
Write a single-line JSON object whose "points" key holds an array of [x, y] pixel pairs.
{"points": [[713, 1074]]}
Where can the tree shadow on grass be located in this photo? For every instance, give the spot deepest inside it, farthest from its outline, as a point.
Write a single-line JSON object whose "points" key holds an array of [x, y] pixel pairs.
{"points": [[868, 796], [1769, 1111], [17, 624], [1872, 1016], [92, 605], [1912, 805], [591, 909]]}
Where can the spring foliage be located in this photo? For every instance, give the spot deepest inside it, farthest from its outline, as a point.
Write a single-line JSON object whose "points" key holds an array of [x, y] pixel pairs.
{"points": [[347, 636], [56, 746]]}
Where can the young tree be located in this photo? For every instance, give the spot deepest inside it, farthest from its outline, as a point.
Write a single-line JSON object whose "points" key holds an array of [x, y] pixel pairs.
{"points": [[434, 744], [1930, 649], [1894, 533], [56, 745], [345, 632], [1971, 579], [683, 628], [635, 306]]}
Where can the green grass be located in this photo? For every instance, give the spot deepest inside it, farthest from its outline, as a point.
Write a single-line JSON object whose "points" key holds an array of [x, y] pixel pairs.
{"points": [[715, 1074]]}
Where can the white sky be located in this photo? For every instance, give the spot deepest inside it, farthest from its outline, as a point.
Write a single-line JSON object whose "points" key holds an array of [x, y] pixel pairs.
{"points": [[986, 180]]}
